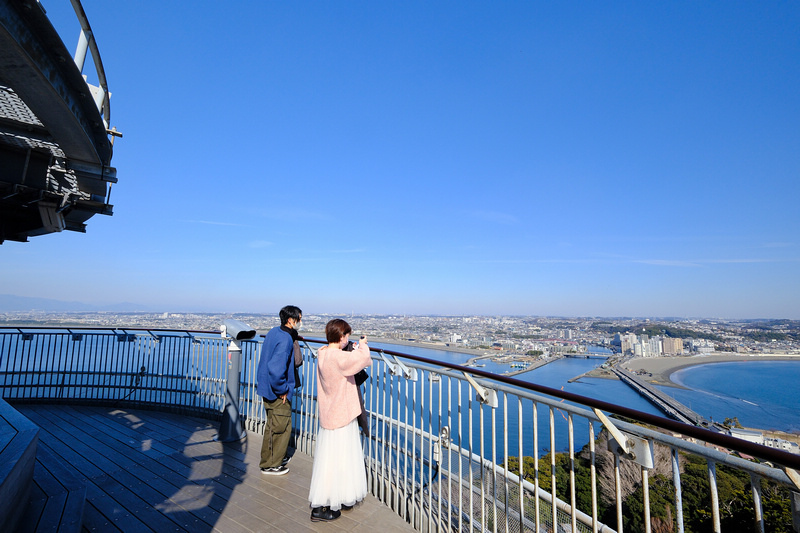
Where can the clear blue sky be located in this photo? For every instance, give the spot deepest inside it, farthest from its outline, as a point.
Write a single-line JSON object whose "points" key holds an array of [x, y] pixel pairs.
{"points": [[541, 158]]}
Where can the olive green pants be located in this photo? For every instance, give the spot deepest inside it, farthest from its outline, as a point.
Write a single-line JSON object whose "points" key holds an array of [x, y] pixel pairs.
{"points": [[277, 433]]}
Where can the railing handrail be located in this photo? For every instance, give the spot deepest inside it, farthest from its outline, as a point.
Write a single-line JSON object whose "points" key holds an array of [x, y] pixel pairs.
{"points": [[403, 411], [733, 443], [86, 31], [726, 441], [104, 328]]}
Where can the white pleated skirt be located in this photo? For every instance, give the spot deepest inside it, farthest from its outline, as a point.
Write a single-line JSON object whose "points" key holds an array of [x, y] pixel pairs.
{"points": [[338, 476]]}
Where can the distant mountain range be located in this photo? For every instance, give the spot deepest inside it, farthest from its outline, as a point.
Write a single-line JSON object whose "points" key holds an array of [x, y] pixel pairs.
{"points": [[12, 303]]}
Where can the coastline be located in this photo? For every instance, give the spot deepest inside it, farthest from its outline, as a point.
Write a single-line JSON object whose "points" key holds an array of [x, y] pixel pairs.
{"points": [[434, 346], [418, 344], [662, 368], [659, 368]]}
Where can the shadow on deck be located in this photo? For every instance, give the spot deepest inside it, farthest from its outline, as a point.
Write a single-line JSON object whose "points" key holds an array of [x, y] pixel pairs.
{"points": [[152, 471]]}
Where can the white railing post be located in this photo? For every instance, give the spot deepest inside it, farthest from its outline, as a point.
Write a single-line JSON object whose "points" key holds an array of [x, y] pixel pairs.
{"points": [[755, 484], [80, 51], [676, 481], [712, 480]]}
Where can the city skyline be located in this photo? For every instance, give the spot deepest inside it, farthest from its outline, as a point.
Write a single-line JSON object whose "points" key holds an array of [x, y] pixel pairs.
{"points": [[521, 335], [451, 159]]}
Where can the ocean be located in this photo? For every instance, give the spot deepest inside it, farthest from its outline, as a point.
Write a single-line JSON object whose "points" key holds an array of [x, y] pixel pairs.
{"points": [[761, 394]]}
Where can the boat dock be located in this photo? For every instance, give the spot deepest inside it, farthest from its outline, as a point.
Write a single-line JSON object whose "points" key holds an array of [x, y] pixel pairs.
{"points": [[473, 361], [671, 407]]}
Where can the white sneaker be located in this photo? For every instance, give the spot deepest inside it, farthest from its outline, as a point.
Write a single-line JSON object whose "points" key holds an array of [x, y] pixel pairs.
{"points": [[275, 471]]}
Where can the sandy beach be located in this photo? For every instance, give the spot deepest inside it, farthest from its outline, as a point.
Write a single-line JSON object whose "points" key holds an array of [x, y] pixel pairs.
{"points": [[662, 368]]}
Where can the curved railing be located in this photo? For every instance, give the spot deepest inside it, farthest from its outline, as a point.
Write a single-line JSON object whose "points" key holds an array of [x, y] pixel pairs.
{"points": [[87, 42], [450, 447]]}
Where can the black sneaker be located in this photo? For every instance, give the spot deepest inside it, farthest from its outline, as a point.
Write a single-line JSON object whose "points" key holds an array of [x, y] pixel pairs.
{"points": [[286, 460], [275, 471], [324, 514]]}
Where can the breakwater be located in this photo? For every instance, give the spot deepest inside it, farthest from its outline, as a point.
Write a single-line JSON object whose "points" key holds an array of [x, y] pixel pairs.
{"points": [[534, 365], [670, 406]]}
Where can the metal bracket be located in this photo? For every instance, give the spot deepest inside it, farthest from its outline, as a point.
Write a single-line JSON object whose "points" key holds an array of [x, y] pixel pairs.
{"points": [[794, 476], [633, 447], [310, 349], [444, 436], [484, 395], [398, 368], [615, 433]]}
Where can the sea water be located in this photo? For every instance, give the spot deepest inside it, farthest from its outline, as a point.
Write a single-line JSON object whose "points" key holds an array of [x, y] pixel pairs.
{"points": [[555, 375], [761, 394]]}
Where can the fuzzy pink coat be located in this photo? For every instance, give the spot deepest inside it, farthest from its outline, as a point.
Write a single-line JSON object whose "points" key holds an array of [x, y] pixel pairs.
{"points": [[337, 393]]}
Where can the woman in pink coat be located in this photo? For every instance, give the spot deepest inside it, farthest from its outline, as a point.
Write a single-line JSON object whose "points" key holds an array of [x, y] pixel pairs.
{"points": [[338, 478]]}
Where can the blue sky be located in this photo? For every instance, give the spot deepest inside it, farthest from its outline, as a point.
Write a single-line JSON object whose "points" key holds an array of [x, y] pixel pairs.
{"points": [[536, 158]]}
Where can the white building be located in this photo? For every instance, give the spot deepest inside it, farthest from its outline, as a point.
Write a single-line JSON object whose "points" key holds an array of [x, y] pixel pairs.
{"points": [[780, 444], [749, 435]]}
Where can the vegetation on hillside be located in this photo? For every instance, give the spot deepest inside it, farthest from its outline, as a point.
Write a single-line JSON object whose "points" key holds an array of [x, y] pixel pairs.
{"points": [[653, 330], [734, 486]]}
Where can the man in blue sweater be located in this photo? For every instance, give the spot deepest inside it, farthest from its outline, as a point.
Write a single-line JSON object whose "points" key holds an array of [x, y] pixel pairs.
{"points": [[275, 384]]}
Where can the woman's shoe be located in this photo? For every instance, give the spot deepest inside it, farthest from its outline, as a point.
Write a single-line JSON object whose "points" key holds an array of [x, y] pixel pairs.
{"points": [[346, 507], [324, 514]]}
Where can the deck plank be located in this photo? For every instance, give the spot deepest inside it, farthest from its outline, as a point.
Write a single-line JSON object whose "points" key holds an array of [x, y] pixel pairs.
{"points": [[125, 486], [151, 471], [160, 476], [94, 520]]}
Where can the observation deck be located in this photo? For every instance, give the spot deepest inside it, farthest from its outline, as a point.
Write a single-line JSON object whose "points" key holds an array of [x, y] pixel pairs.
{"points": [[113, 428], [450, 448], [118, 469], [55, 141]]}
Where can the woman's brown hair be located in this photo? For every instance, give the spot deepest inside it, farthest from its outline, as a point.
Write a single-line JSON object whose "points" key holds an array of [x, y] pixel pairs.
{"points": [[336, 329]]}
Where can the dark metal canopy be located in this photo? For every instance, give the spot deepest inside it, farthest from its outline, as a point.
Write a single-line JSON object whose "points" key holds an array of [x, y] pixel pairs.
{"points": [[55, 146]]}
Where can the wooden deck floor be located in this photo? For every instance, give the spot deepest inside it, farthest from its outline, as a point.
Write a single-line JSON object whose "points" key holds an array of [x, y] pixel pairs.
{"points": [[151, 471]]}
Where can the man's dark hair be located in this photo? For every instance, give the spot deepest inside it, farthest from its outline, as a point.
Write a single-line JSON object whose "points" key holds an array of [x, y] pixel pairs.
{"points": [[290, 311], [336, 329]]}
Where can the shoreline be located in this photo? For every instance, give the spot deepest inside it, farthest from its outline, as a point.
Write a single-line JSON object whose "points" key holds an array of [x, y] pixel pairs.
{"points": [[417, 344], [662, 368]]}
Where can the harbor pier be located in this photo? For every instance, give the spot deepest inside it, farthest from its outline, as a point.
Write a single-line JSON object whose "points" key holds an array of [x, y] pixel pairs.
{"points": [[670, 406]]}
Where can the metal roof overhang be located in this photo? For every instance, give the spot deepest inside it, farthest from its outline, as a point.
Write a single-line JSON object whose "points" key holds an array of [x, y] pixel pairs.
{"points": [[55, 151]]}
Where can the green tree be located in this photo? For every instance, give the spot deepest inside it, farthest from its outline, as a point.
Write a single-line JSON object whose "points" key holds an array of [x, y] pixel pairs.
{"points": [[662, 506], [733, 487], [583, 480], [732, 422]]}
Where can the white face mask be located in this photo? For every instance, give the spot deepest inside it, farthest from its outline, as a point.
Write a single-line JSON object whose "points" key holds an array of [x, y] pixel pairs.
{"points": [[297, 325]]}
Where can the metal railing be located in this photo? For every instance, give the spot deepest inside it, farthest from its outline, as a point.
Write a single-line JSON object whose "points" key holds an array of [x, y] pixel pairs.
{"points": [[87, 43], [450, 448]]}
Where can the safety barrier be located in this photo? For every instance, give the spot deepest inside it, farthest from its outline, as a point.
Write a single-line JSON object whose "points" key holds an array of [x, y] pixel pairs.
{"points": [[450, 448]]}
